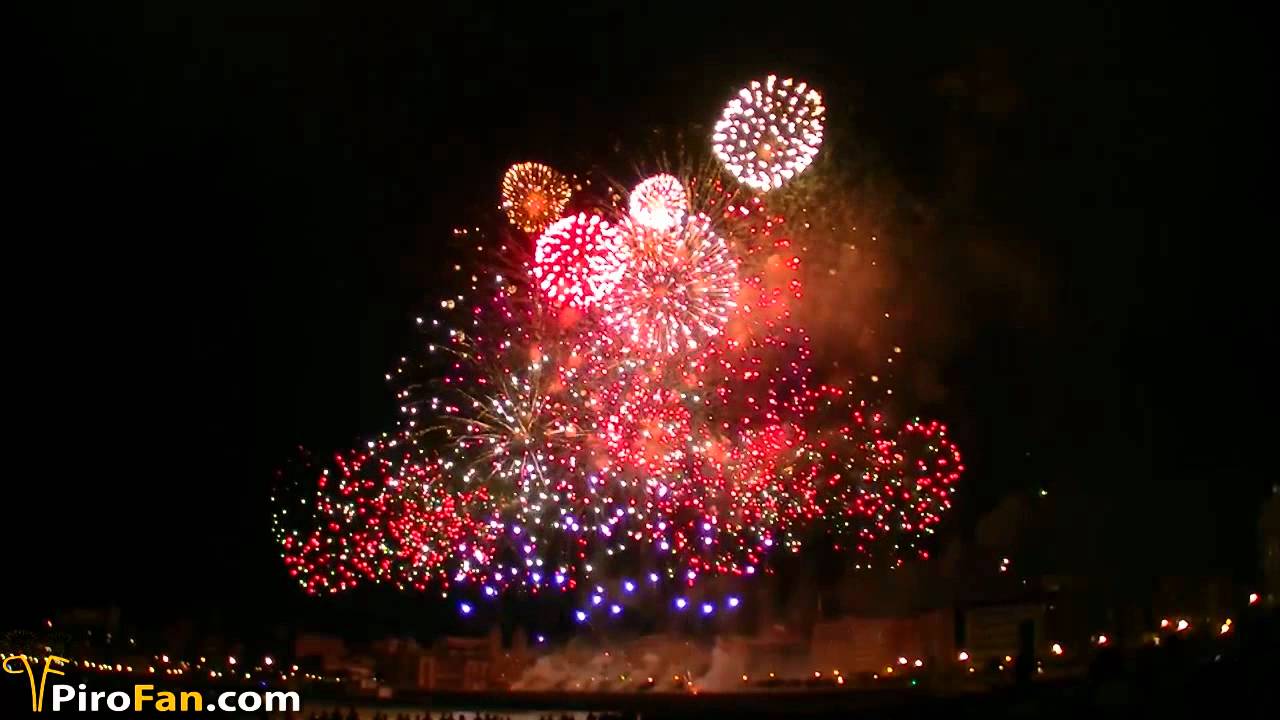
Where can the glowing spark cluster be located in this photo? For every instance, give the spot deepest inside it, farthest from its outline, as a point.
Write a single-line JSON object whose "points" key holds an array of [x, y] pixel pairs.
{"points": [[770, 132], [877, 482], [579, 260], [384, 514], [659, 202], [534, 195]]}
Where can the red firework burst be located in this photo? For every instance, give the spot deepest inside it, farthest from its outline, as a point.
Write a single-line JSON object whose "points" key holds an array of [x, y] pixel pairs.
{"points": [[579, 260]]}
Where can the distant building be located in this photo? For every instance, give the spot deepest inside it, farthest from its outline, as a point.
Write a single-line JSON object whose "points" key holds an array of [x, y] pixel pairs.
{"points": [[1193, 596], [322, 652], [868, 644], [775, 650], [993, 632], [456, 663], [103, 620], [397, 661], [1269, 545], [359, 670]]}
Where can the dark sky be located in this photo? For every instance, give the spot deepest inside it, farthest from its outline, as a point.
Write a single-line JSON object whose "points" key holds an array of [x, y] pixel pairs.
{"points": [[223, 221]]}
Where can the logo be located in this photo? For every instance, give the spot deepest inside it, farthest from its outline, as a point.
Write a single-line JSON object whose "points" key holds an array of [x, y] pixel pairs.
{"points": [[143, 697], [37, 700]]}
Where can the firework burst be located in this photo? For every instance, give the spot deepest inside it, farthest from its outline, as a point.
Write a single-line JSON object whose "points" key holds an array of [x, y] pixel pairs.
{"points": [[579, 260], [659, 202], [770, 132], [679, 289], [534, 195]]}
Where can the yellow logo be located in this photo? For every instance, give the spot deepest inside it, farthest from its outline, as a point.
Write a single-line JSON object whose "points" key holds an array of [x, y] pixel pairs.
{"points": [[37, 700]]}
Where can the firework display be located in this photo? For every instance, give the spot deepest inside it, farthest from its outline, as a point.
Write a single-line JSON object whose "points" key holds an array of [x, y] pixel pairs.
{"points": [[624, 406], [533, 195], [770, 132]]}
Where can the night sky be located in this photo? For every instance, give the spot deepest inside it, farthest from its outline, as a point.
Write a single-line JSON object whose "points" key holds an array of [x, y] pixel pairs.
{"points": [[222, 224]]}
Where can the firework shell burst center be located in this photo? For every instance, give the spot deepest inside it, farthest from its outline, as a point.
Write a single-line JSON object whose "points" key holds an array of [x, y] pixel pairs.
{"points": [[625, 410]]}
